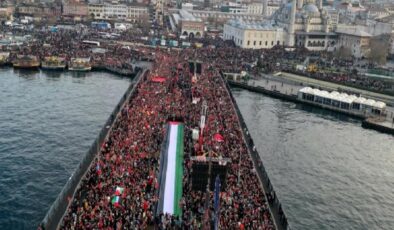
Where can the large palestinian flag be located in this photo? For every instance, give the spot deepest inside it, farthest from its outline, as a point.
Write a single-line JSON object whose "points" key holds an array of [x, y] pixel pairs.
{"points": [[171, 170]]}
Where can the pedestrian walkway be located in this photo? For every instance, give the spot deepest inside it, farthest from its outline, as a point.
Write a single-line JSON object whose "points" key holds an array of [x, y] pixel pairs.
{"points": [[278, 86]]}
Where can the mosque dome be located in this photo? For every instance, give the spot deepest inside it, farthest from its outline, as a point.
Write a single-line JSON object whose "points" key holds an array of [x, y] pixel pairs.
{"points": [[311, 8]]}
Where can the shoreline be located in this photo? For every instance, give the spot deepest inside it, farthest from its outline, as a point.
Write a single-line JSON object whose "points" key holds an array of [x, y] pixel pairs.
{"points": [[58, 208], [366, 122], [116, 71]]}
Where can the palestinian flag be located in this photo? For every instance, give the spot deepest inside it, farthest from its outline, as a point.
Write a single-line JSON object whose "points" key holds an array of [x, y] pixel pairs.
{"points": [[119, 191], [171, 170], [115, 201]]}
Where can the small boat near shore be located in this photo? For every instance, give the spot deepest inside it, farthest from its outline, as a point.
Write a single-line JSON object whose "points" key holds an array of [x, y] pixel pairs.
{"points": [[4, 58], [26, 62], [80, 64], [53, 63]]}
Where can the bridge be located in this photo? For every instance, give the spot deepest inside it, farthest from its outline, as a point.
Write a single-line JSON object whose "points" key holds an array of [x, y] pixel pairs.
{"points": [[122, 164]]}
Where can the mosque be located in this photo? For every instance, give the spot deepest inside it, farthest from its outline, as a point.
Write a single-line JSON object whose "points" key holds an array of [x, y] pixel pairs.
{"points": [[301, 23]]}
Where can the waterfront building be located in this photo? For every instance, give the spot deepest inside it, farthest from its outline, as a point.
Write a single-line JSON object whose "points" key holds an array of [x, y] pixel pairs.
{"points": [[254, 35], [158, 6], [303, 25], [355, 40], [264, 8], [254, 8], [75, 9], [351, 36], [39, 11], [215, 19], [127, 12], [188, 24], [6, 13], [342, 102], [272, 7], [96, 10], [349, 11], [307, 24]]}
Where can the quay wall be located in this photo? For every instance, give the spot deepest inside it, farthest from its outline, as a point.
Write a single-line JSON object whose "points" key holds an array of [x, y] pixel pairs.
{"points": [[292, 98], [117, 71], [59, 207], [278, 215], [369, 124], [366, 123], [259, 89]]}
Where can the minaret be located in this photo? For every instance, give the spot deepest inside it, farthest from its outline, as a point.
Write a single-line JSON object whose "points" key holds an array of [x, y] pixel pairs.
{"points": [[291, 38], [320, 4], [265, 8], [300, 3]]}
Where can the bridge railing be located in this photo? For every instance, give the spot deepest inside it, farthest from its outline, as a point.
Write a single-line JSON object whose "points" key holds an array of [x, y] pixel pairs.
{"points": [[59, 207], [276, 207]]}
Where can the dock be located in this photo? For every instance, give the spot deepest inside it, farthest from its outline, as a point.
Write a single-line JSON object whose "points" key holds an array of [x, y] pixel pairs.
{"points": [[330, 86], [384, 125], [287, 90]]}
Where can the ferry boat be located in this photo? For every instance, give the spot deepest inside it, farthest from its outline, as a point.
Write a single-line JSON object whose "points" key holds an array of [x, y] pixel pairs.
{"points": [[26, 62], [53, 63], [4, 58], [80, 64]]}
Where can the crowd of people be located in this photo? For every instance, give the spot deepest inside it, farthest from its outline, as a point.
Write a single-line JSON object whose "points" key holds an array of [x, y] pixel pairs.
{"points": [[128, 160], [69, 44], [120, 189]]}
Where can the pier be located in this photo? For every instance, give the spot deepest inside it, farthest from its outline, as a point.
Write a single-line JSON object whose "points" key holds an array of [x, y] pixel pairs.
{"points": [[384, 125], [287, 90]]}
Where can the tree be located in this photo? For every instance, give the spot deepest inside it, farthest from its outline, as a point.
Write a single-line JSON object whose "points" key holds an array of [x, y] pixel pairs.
{"points": [[380, 46], [343, 53]]}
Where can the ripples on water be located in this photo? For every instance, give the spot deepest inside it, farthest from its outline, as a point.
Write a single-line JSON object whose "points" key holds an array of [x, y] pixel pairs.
{"points": [[328, 172], [48, 120]]}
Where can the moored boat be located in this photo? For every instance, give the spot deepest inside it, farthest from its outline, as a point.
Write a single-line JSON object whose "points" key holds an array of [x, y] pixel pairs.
{"points": [[26, 62], [4, 58], [53, 63], [80, 64]]}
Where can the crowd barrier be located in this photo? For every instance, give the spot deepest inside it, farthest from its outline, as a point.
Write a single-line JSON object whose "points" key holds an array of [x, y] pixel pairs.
{"points": [[59, 207], [279, 216]]}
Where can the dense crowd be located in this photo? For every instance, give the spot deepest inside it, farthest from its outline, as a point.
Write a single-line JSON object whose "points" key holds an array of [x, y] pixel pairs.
{"points": [[68, 43], [129, 157], [120, 189]]}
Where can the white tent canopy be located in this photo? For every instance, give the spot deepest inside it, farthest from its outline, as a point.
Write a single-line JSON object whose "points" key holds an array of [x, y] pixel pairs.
{"points": [[343, 97]]}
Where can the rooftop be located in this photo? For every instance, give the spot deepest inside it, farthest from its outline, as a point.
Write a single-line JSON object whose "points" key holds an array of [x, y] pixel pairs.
{"points": [[253, 25], [187, 16], [343, 97], [354, 32]]}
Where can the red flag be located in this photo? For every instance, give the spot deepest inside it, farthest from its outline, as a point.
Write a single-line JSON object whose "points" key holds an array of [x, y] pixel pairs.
{"points": [[218, 137]]}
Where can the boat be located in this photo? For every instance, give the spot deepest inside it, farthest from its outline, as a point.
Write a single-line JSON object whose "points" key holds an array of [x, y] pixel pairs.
{"points": [[4, 58], [80, 64], [53, 63], [26, 62]]}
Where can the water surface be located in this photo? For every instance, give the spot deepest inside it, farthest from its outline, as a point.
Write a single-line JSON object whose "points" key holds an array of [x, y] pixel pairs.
{"points": [[328, 171], [48, 120]]}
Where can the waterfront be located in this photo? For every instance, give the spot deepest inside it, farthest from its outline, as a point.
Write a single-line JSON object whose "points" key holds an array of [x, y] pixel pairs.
{"points": [[328, 172], [48, 120]]}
